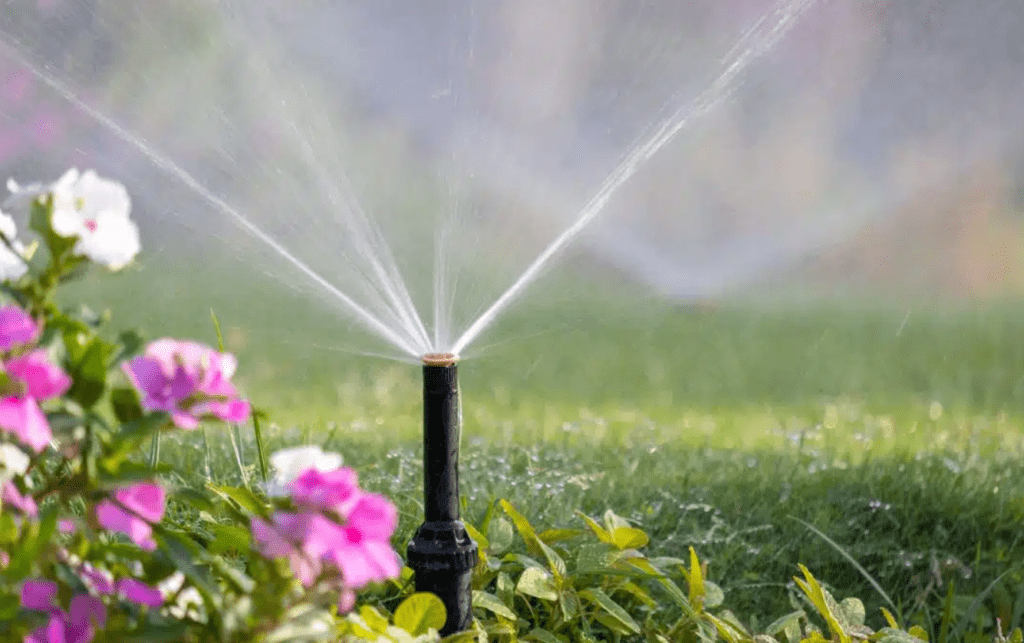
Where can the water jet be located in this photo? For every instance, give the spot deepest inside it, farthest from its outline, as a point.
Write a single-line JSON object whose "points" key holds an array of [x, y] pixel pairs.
{"points": [[441, 552]]}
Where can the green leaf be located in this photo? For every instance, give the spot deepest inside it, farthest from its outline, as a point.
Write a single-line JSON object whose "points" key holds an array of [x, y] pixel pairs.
{"points": [[853, 611], [193, 498], [538, 583], [918, 633], [713, 595], [420, 612], [89, 372], [480, 540], [671, 588], [242, 581], [555, 562], [569, 604], [522, 525], [165, 632], [182, 552], [816, 594], [246, 499], [505, 588], [39, 220], [889, 618], [374, 620], [893, 635], [543, 636], [696, 581], [228, 538], [780, 624], [613, 609], [629, 538], [599, 531], [613, 521], [533, 543], [131, 342], [126, 403], [492, 603], [552, 536], [596, 557], [639, 593], [501, 534]]}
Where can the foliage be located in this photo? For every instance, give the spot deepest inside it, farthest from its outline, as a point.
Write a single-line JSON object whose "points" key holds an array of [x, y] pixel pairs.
{"points": [[94, 544]]}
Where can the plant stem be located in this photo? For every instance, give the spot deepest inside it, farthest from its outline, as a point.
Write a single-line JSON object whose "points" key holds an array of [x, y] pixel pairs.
{"points": [[261, 454], [154, 450]]}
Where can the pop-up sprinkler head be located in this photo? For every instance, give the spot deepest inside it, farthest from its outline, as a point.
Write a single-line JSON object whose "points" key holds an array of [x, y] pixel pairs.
{"points": [[441, 553]]}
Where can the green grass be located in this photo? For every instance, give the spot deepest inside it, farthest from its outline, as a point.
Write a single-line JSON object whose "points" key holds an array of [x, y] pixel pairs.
{"points": [[895, 431]]}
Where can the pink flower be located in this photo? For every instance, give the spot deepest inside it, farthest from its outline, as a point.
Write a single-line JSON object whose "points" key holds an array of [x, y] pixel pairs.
{"points": [[23, 418], [11, 497], [16, 328], [374, 517], [138, 592], [99, 581], [53, 632], [271, 543], [334, 490], [42, 379], [76, 627], [140, 504], [313, 540], [188, 381], [39, 595]]}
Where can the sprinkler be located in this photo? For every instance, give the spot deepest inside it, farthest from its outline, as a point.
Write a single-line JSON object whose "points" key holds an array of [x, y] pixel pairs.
{"points": [[441, 553]]}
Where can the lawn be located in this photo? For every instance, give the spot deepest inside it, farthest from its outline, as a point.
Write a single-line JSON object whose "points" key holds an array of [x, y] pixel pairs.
{"points": [[895, 432]]}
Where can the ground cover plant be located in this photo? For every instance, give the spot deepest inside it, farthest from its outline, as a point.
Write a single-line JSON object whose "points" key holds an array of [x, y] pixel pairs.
{"points": [[878, 498]]}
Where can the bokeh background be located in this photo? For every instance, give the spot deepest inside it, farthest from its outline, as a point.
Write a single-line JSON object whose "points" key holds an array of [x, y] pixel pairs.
{"points": [[868, 154]]}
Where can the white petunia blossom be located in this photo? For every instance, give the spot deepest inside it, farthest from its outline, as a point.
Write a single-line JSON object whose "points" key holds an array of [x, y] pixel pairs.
{"points": [[289, 463], [188, 602], [12, 262], [22, 196], [13, 462], [96, 211]]}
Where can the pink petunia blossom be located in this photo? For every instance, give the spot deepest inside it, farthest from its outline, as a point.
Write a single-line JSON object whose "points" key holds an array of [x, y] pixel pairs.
{"points": [[336, 490], [97, 580], [23, 503], [374, 516], [339, 527], [272, 542], [42, 379], [187, 380], [23, 418], [16, 328], [140, 504], [39, 595], [138, 592], [53, 632]]}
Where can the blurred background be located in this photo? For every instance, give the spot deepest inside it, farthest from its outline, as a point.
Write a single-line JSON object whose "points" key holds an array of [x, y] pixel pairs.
{"points": [[868, 154]]}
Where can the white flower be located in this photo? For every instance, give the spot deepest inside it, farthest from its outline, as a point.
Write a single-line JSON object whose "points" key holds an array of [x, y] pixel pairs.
{"points": [[12, 262], [22, 195], [189, 602], [13, 462], [96, 211], [289, 463]]}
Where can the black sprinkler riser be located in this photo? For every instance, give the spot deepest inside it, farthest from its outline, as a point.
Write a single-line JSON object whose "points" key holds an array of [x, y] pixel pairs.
{"points": [[441, 553]]}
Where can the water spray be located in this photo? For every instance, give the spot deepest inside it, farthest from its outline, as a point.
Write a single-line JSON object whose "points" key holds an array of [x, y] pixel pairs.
{"points": [[441, 553]]}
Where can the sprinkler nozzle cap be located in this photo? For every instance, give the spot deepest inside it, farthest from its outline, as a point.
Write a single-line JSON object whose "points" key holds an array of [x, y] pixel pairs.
{"points": [[440, 359]]}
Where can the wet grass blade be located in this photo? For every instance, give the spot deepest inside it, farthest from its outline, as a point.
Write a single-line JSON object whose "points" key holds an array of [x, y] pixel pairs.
{"points": [[853, 561]]}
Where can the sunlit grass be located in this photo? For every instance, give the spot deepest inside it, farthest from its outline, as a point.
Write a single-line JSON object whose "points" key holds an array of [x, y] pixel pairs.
{"points": [[896, 431]]}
